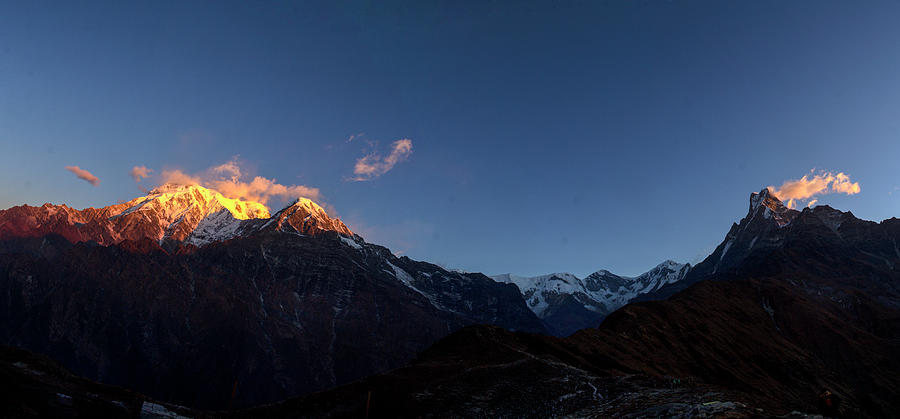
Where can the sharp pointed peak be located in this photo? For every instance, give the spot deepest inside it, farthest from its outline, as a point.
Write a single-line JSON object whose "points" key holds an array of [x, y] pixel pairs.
{"points": [[603, 273], [764, 197], [308, 217], [771, 207], [671, 264], [301, 203]]}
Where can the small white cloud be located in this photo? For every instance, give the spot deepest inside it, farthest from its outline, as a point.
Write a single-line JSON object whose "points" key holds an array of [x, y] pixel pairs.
{"points": [[355, 136], [373, 165]]}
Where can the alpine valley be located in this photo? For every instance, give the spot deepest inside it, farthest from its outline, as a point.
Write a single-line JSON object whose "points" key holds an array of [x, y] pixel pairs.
{"points": [[196, 303]]}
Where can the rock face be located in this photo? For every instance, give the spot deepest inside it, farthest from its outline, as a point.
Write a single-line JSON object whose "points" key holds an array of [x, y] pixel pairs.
{"points": [[175, 295], [566, 303]]}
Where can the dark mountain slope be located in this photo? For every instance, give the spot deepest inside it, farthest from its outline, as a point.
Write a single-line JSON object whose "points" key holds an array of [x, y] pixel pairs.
{"points": [[277, 313], [762, 343], [793, 302]]}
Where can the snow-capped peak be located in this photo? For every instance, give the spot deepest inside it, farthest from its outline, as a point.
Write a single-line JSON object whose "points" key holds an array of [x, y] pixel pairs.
{"points": [[176, 199], [185, 213], [306, 217], [601, 291], [770, 207], [538, 290], [179, 211]]}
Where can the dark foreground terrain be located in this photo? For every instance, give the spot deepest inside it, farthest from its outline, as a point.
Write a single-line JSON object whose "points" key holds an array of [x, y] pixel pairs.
{"points": [[746, 348], [34, 386]]}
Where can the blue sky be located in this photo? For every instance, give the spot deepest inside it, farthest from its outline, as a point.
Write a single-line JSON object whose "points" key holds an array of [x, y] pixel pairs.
{"points": [[551, 136]]}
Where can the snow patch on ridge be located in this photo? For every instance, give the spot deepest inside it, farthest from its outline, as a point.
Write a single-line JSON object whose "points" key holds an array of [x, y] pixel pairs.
{"points": [[407, 280], [352, 243], [153, 410]]}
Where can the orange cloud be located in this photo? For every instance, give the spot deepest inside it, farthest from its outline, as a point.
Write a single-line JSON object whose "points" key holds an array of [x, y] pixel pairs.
{"points": [[178, 177], [819, 184], [261, 189], [84, 175], [229, 180], [140, 172], [374, 165]]}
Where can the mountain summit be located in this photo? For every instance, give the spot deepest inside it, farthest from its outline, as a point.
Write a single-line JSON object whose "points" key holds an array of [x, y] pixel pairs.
{"points": [[772, 207], [768, 225], [566, 303], [306, 217], [182, 213]]}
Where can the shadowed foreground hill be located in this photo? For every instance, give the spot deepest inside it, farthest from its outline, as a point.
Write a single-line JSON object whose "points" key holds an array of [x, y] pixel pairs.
{"points": [[754, 343]]}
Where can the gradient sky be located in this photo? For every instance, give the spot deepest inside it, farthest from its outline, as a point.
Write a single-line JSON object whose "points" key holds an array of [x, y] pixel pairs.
{"points": [[555, 136]]}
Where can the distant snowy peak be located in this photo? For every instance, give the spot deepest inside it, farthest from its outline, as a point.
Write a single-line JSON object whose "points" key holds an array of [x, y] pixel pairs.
{"points": [[665, 273], [538, 291], [600, 292], [617, 290]]}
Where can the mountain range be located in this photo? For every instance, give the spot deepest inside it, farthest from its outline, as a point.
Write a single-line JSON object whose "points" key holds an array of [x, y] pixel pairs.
{"points": [[566, 303], [188, 296], [791, 304], [192, 298]]}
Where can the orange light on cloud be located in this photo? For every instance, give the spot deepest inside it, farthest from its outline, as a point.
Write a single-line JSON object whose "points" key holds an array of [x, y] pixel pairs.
{"points": [[374, 165], [140, 172], [813, 185], [228, 179]]}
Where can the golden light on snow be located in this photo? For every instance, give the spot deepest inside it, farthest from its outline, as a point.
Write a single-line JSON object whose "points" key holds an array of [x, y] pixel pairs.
{"points": [[172, 196]]}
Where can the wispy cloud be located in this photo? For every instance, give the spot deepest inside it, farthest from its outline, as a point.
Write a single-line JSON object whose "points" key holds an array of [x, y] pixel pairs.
{"points": [[230, 180], [177, 177], [814, 184], [140, 172], [373, 165], [355, 136], [84, 175]]}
